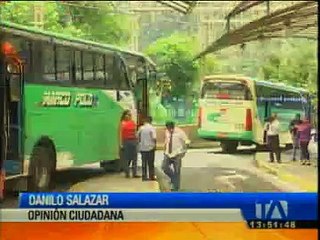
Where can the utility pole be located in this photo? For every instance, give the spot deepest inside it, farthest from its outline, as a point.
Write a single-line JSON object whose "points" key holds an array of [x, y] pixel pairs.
{"points": [[38, 14], [134, 33]]}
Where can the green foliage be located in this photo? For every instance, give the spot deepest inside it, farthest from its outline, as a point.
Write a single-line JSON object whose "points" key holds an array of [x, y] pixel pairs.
{"points": [[99, 22], [295, 64], [17, 12], [22, 13], [212, 65], [290, 61], [88, 20], [174, 56]]}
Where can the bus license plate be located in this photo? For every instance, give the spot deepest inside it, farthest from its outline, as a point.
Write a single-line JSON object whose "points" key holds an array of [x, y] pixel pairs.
{"points": [[222, 135]]}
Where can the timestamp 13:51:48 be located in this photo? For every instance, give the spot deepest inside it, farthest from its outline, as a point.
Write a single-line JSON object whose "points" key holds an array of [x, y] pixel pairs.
{"points": [[258, 224]]}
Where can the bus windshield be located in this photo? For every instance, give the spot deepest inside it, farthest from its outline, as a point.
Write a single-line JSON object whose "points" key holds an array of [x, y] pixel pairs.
{"points": [[226, 90]]}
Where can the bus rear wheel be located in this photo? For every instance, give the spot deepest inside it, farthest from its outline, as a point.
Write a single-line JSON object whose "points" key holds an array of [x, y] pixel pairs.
{"points": [[42, 169], [229, 146]]}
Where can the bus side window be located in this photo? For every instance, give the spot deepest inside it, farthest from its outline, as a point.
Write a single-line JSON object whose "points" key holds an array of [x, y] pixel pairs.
{"points": [[123, 78], [88, 66], [63, 55], [78, 65], [48, 61], [109, 66], [99, 68]]}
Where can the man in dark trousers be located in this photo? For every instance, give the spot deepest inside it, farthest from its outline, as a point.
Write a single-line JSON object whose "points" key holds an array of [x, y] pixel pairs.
{"points": [[176, 143], [293, 130], [147, 144]]}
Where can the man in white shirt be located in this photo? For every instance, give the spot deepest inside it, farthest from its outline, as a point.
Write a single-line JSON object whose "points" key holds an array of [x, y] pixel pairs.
{"points": [[176, 143], [273, 138], [147, 145]]}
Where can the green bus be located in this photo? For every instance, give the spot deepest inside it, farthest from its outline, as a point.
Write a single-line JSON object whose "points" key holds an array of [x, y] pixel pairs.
{"points": [[65, 103], [233, 110]]}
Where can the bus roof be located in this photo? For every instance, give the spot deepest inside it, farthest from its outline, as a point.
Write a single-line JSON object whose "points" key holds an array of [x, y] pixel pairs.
{"points": [[50, 36], [280, 86]]}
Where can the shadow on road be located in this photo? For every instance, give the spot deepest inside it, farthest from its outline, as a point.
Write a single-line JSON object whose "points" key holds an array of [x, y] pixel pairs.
{"points": [[66, 178], [238, 152]]}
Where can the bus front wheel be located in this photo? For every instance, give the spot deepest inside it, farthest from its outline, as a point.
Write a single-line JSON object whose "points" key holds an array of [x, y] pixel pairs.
{"points": [[229, 146], [111, 166], [42, 169]]}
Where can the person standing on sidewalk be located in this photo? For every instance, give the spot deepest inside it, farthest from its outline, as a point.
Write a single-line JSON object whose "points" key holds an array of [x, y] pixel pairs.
{"points": [[147, 145], [176, 143], [273, 139], [293, 130], [129, 144], [304, 137]]}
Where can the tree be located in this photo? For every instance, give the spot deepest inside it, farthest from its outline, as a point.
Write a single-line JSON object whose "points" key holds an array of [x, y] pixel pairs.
{"points": [[23, 13], [94, 21], [295, 64], [174, 56], [211, 65], [99, 21]]}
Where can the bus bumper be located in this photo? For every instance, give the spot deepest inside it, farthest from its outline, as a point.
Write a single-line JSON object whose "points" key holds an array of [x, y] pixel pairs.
{"points": [[214, 135]]}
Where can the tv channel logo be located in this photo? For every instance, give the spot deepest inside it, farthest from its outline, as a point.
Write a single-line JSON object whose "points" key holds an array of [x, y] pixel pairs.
{"points": [[272, 210]]}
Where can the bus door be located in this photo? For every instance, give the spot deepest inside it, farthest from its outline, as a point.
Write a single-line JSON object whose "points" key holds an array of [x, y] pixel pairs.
{"points": [[142, 81], [267, 110], [139, 81], [3, 120], [14, 78]]}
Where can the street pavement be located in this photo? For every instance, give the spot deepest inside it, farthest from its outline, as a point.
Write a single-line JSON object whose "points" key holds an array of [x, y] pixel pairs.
{"points": [[210, 170], [203, 170]]}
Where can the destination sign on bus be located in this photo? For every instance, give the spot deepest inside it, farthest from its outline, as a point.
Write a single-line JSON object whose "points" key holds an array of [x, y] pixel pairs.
{"points": [[281, 99], [57, 99], [64, 99]]}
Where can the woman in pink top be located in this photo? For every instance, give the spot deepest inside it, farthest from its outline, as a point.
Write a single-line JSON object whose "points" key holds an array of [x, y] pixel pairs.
{"points": [[304, 137]]}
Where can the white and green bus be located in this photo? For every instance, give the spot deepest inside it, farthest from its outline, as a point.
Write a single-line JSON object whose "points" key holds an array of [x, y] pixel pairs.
{"points": [[66, 108], [233, 110]]}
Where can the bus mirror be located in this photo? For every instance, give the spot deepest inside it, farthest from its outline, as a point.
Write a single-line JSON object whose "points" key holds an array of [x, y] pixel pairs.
{"points": [[15, 88], [15, 81]]}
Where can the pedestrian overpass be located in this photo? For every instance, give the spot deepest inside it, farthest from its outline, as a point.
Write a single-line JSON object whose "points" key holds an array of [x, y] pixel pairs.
{"points": [[298, 20]]}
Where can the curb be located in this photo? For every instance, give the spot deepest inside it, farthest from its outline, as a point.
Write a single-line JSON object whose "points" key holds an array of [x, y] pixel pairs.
{"points": [[283, 175]]}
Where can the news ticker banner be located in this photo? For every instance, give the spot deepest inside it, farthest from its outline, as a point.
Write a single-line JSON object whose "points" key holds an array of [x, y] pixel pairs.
{"points": [[259, 210]]}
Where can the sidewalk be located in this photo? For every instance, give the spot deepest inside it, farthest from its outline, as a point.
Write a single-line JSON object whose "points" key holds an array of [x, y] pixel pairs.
{"points": [[115, 183], [304, 177]]}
